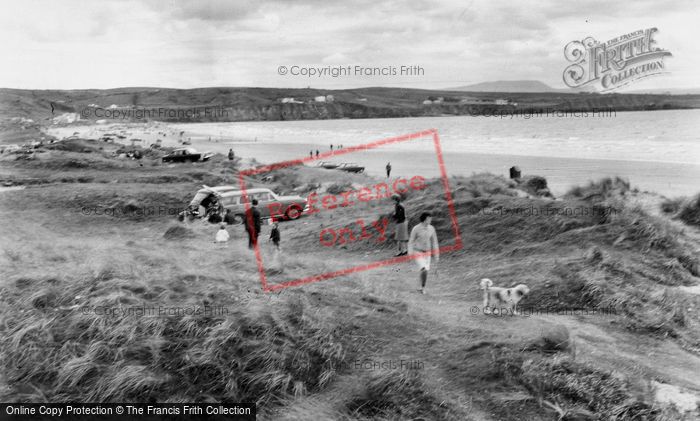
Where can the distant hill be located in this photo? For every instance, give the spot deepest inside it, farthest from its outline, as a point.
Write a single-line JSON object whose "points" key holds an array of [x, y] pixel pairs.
{"points": [[673, 91], [535, 86], [509, 86], [24, 112]]}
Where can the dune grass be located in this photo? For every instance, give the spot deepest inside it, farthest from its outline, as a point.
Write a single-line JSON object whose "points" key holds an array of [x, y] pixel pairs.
{"points": [[62, 266], [573, 390], [610, 254], [686, 209], [136, 323], [401, 394]]}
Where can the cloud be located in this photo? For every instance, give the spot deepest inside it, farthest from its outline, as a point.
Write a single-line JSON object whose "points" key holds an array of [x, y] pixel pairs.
{"points": [[207, 10], [217, 42]]}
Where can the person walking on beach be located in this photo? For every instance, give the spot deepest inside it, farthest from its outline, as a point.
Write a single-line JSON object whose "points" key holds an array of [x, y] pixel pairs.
{"points": [[401, 235], [331, 146], [424, 239], [231, 155], [253, 224], [311, 154], [388, 169], [316, 153]]}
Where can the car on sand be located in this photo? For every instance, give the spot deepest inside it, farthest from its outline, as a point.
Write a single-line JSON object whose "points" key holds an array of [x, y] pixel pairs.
{"points": [[219, 199], [350, 167], [187, 155], [327, 165]]}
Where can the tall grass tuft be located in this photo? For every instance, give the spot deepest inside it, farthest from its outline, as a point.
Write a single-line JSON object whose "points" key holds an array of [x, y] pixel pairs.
{"points": [[253, 352], [400, 394], [573, 386], [690, 211]]}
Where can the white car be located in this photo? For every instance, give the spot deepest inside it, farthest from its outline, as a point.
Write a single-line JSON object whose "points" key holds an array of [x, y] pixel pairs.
{"points": [[222, 198]]}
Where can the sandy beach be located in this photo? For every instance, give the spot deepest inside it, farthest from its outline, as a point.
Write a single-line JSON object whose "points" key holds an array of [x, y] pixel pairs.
{"points": [[670, 179]]}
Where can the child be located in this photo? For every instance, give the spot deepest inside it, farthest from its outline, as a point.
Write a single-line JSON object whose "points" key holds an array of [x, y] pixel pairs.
{"points": [[275, 235], [222, 236]]}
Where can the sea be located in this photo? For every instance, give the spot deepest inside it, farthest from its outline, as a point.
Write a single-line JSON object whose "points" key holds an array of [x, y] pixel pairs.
{"points": [[656, 151]]}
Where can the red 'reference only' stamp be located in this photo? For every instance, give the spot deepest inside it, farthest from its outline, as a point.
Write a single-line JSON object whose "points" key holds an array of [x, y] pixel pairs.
{"points": [[317, 203]]}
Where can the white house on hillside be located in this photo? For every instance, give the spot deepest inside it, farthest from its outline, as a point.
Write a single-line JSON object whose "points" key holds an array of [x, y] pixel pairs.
{"points": [[324, 98], [290, 101]]}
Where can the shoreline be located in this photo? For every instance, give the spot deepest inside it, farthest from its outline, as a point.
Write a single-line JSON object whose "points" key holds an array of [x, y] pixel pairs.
{"points": [[665, 178]]}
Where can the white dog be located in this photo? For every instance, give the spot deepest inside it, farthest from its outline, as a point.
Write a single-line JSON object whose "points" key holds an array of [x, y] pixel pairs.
{"points": [[496, 297]]}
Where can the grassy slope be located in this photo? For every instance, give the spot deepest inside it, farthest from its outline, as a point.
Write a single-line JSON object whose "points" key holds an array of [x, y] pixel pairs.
{"points": [[294, 352]]}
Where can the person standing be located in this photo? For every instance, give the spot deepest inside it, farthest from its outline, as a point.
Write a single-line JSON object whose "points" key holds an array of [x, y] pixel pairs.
{"points": [[388, 169], [275, 236], [316, 153], [424, 239], [253, 224], [401, 235], [231, 155], [311, 154], [213, 210]]}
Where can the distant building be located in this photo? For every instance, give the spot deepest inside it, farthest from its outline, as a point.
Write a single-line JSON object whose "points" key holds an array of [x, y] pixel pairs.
{"points": [[330, 98], [320, 98], [433, 100], [501, 102], [66, 118], [290, 101]]}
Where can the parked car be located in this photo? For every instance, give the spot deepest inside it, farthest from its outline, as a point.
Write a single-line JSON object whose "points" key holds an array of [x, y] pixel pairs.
{"points": [[187, 154], [327, 165], [350, 167], [221, 198]]}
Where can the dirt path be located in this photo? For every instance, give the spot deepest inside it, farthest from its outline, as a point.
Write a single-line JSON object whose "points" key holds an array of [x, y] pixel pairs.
{"points": [[447, 310]]}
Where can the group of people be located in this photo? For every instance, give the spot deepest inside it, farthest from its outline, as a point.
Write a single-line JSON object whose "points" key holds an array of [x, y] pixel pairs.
{"points": [[311, 152], [253, 226], [422, 240]]}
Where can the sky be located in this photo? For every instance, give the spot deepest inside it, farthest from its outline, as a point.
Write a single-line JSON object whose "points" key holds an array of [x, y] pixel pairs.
{"points": [[70, 44]]}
